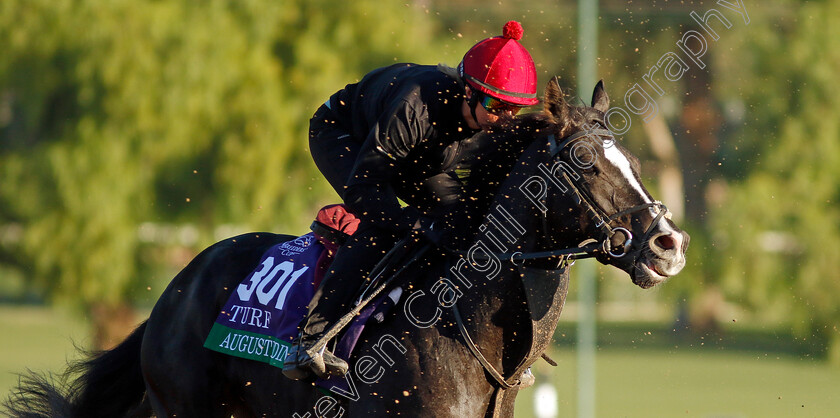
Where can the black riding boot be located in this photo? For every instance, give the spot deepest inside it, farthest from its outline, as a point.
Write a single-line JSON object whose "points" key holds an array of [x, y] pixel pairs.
{"points": [[353, 262]]}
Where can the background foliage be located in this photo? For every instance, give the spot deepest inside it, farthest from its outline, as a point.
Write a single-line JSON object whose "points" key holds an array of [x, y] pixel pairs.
{"points": [[777, 225], [123, 114], [135, 133]]}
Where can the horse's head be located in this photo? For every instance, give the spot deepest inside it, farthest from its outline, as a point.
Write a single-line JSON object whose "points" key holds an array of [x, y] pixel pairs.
{"points": [[613, 207]]}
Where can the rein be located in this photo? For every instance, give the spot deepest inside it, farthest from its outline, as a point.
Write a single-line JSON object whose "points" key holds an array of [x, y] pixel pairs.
{"points": [[591, 247], [598, 216], [588, 248]]}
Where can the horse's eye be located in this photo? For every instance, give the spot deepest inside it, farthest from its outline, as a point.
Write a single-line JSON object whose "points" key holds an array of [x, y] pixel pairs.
{"points": [[583, 157]]}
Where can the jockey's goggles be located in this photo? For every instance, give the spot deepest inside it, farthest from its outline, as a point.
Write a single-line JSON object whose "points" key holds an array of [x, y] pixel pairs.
{"points": [[496, 106]]}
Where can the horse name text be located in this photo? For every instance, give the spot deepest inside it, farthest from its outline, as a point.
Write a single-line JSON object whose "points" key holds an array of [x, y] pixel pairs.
{"points": [[256, 346]]}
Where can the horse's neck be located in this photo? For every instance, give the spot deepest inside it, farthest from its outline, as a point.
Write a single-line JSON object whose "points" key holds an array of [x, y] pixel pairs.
{"points": [[495, 303], [514, 221]]}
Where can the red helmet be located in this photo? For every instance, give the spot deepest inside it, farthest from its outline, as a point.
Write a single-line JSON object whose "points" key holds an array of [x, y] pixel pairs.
{"points": [[501, 68]]}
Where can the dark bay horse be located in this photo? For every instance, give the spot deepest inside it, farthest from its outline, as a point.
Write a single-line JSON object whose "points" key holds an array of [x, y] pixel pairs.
{"points": [[469, 321]]}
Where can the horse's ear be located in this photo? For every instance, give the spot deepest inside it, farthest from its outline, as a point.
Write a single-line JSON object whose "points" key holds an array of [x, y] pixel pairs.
{"points": [[600, 100], [555, 103]]}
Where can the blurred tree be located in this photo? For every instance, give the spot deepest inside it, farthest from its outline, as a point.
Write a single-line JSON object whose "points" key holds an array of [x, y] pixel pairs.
{"points": [[757, 134], [776, 228], [116, 113], [632, 38]]}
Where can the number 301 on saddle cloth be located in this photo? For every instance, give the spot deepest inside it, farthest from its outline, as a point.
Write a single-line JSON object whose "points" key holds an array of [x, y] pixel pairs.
{"points": [[260, 319]]}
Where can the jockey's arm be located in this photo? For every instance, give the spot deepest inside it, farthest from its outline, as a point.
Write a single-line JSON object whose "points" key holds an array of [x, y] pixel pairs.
{"points": [[369, 189]]}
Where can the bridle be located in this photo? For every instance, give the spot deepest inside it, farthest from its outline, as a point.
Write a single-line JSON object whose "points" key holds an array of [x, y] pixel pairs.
{"points": [[589, 248], [602, 245], [598, 216]]}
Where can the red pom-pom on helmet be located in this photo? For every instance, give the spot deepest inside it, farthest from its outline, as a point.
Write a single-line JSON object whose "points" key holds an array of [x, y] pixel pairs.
{"points": [[502, 68], [512, 30]]}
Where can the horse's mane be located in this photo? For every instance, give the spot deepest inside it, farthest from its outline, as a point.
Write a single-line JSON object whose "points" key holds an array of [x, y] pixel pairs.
{"points": [[504, 146], [493, 154]]}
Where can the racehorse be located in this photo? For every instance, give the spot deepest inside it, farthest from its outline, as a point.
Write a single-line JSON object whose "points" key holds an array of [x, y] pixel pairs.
{"points": [[471, 319]]}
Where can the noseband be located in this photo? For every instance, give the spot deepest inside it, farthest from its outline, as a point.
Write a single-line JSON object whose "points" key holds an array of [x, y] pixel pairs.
{"points": [[596, 214], [589, 248]]}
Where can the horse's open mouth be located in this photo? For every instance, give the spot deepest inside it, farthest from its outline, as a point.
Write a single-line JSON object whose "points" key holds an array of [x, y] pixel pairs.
{"points": [[648, 274]]}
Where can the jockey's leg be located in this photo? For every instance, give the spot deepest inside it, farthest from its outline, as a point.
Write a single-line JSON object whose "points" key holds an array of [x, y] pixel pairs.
{"points": [[353, 262]]}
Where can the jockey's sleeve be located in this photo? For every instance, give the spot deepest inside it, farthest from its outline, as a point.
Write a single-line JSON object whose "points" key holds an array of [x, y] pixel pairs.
{"points": [[370, 194], [369, 188], [401, 127], [451, 210]]}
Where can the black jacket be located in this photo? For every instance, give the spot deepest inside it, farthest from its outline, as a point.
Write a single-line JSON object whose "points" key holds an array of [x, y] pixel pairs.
{"points": [[408, 120]]}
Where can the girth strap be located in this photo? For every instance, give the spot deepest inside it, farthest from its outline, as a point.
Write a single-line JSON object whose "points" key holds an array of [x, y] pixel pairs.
{"points": [[477, 353], [375, 278]]}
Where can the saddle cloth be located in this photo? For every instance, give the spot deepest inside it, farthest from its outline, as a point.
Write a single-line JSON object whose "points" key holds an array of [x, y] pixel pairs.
{"points": [[261, 317]]}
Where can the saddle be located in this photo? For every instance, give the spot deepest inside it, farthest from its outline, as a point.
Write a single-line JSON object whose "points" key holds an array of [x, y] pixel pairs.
{"points": [[260, 319], [334, 225]]}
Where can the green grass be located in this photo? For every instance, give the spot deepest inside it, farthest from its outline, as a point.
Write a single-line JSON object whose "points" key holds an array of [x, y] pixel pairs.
{"points": [[697, 383], [649, 370], [694, 383], [36, 338], [643, 370]]}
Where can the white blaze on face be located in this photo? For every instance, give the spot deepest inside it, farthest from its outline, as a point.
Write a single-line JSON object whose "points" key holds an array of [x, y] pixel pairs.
{"points": [[617, 158], [620, 161]]}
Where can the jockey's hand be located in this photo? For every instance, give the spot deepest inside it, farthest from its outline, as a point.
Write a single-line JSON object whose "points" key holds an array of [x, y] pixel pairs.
{"points": [[431, 230]]}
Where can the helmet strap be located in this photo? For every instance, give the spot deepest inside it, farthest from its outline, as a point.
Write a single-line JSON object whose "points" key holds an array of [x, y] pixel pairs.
{"points": [[472, 103]]}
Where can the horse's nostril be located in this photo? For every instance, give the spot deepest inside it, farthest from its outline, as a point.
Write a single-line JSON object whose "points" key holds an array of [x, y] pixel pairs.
{"points": [[666, 242]]}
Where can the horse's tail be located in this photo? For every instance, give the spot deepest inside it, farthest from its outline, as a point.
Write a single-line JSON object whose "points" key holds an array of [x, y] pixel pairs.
{"points": [[109, 384]]}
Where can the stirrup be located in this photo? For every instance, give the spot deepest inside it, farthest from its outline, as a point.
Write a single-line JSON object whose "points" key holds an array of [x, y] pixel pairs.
{"points": [[325, 364], [300, 363], [294, 365]]}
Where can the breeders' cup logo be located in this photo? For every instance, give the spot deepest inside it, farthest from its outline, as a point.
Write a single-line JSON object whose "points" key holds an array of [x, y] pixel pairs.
{"points": [[296, 246]]}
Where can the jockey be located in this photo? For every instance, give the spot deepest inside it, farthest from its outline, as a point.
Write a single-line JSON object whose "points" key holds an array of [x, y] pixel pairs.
{"points": [[389, 137]]}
